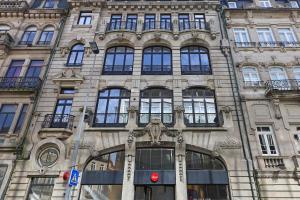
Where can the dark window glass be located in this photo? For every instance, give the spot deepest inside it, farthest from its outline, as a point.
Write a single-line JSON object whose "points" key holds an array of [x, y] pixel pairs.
{"points": [[118, 60], [85, 18], [49, 4], [199, 107], [199, 192], [108, 162], [115, 22], [200, 161], [107, 192], [21, 118], [41, 188], [28, 36], [199, 21], [7, 114], [76, 55], [154, 192], [67, 91], [195, 60], [131, 22], [155, 159], [157, 60], [156, 104], [112, 107], [184, 22], [14, 68], [34, 68], [149, 22], [46, 36], [165, 22], [62, 113]]}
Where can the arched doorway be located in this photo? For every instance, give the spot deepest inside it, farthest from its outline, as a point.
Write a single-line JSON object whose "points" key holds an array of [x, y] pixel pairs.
{"points": [[207, 177]]}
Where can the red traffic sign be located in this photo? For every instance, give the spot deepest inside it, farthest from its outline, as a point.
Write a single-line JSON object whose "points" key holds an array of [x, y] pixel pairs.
{"points": [[154, 177]]}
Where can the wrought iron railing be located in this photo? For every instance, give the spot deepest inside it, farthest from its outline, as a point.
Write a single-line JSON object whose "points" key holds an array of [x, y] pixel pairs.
{"points": [[20, 83], [13, 5], [269, 44], [58, 121], [253, 83], [121, 26], [158, 25], [192, 25], [245, 44], [283, 85]]}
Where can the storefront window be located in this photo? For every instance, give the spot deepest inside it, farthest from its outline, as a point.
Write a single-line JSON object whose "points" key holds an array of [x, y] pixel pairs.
{"points": [[97, 192], [110, 162], [199, 192]]}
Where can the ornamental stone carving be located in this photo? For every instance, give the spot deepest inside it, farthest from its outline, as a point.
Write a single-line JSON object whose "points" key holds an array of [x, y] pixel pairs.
{"points": [[230, 142]]}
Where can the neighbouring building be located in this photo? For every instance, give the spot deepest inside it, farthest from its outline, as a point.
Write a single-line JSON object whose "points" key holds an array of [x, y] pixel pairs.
{"points": [[264, 37], [28, 33]]}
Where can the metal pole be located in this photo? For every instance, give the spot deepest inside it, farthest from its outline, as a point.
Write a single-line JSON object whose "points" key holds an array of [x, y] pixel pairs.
{"points": [[80, 129]]}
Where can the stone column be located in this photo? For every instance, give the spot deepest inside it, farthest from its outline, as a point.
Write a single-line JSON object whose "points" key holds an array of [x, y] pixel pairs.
{"points": [[181, 184]]}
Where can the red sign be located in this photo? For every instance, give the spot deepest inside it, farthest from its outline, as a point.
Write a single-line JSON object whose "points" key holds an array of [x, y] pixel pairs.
{"points": [[154, 177]]}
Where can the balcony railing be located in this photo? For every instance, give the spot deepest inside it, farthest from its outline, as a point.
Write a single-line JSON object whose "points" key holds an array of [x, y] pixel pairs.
{"points": [[20, 83], [13, 5], [254, 84], [193, 25], [245, 44], [58, 121], [121, 26], [158, 25], [283, 85]]}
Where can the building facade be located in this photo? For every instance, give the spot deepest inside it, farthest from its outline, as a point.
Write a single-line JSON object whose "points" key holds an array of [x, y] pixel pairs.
{"points": [[28, 32], [163, 113], [264, 37]]}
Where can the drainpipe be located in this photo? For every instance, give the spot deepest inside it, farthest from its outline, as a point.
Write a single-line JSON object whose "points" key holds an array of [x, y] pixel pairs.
{"points": [[238, 105]]}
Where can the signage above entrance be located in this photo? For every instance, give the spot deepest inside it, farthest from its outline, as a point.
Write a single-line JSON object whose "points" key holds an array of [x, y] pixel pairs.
{"points": [[154, 177]]}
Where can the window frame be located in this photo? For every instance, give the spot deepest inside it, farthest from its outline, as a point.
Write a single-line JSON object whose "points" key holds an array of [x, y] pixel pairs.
{"points": [[115, 53], [251, 82], [267, 145], [85, 18], [48, 39], [76, 55], [294, 4], [149, 22], [40, 177], [232, 4], [51, 2], [162, 66], [161, 106], [238, 36], [131, 22], [108, 98], [30, 33], [4, 130], [265, 4], [184, 21], [285, 31], [206, 124], [21, 118], [201, 71]]}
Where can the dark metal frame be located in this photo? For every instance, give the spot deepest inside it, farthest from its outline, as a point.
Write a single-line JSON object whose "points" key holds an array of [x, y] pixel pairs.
{"points": [[47, 41], [201, 71], [52, 3], [205, 108], [85, 17], [13, 66], [150, 103], [76, 57], [115, 24], [162, 53], [166, 25], [183, 26], [148, 23], [6, 114], [21, 118], [106, 113], [198, 24], [27, 42], [130, 22], [35, 68], [123, 72]]}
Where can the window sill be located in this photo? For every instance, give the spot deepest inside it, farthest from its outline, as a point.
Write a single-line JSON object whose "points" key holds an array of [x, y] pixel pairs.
{"points": [[92, 129], [82, 26]]}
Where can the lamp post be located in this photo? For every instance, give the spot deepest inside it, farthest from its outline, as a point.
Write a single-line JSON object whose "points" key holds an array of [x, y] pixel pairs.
{"points": [[80, 129]]}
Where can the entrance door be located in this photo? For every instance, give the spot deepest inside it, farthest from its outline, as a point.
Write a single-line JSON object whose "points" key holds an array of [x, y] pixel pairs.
{"points": [[154, 192]]}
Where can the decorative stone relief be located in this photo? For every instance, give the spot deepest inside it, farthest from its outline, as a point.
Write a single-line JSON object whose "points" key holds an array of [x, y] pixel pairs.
{"points": [[180, 163], [64, 51], [129, 166], [277, 108], [69, 76], [230, 142]]}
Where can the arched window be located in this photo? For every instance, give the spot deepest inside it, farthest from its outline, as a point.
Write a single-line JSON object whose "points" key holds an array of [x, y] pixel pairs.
{"points": [[76, 55], [156, 103], [251, 77], [112, 107], [46, 36], [4, 28], [28, 36], [157, 60], [207, 177], [102, 178], [118, 60], [194, 60], [200, 108]]}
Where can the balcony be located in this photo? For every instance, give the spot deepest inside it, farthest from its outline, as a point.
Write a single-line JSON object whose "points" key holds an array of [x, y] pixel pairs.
{"points": [[58, 126], [121, 26], [158, 25], [193, 25], [12, 5], [253, 84], [283, 87], [29, 84], [245, 44]]}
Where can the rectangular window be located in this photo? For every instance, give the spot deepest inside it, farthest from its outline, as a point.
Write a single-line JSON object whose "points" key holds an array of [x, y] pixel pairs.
{"points": [[184, 22], [49, 4], [165, 22], [267, 143], [85, 18], [108, 192], [251, 77], [241, 37], [3, 169], [62, 117], [149, 22], [14, 68], [265, 37], [199, 21], [115, 22], [265, 3], [7, 114], [34, 68], [67, 91], [232, 4], [21, 118], [131, 22], [294, 4], [287, 36], [41, 188]]}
